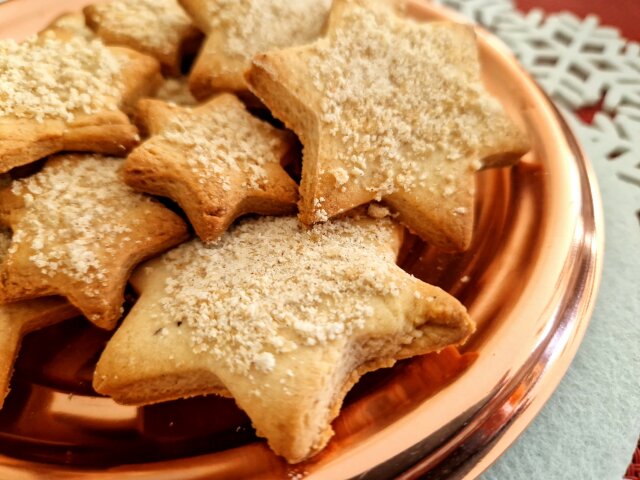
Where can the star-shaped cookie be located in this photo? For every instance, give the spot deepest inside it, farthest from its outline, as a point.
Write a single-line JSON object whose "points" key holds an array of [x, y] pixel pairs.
{"points": [[62, 91], [217, 161], [238, 29], [18, 319], [282, 318], [159, 28], [78, 232], [389, 109]]}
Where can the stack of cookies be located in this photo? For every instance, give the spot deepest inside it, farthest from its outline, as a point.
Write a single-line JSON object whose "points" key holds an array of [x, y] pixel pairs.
{"points": [[150, 143]]}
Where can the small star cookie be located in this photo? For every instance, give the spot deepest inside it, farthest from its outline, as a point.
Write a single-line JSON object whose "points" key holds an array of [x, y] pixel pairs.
{"points": [[283, 318], [389, 109], [159, 28], [78, 232], [217, 161], [238, 29], [62, 91]]}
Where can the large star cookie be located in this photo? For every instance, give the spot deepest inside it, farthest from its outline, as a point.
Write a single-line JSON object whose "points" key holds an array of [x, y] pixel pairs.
{"points": [[18, 319], [159, 28], [282, 318], [216, 160], [238, 29], [393, 110], [78, 231], [62, 91]]}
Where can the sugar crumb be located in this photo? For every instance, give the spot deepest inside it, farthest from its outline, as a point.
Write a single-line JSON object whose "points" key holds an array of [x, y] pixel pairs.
{"points": [[245, 304], [252, 26], [155, 24], [396, 107], [45, 77]]}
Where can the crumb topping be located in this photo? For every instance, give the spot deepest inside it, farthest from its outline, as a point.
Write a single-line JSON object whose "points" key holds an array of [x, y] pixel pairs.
{"points": [[176, 92], [253, 26], [225, 140], [246, 303], [46, 77], [394, 102], [376, 210], [158, 24], [76, 217]]}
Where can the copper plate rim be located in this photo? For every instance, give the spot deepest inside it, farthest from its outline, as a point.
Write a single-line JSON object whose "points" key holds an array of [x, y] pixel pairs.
{"points": [[492, 417]]}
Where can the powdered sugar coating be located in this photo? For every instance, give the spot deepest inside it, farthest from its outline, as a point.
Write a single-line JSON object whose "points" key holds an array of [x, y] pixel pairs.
{"points": [[46, 77], [75, 218], [246, 303], [158, 24], [253, 26], [223, 140], [396, 94]]}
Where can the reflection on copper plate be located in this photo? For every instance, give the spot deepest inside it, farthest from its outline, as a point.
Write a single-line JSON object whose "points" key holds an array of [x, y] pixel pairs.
{"points": [[529, 281]]}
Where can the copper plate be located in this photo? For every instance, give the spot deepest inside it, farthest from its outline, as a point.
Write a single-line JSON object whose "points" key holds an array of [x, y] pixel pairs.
{"points": [[529, 281]]}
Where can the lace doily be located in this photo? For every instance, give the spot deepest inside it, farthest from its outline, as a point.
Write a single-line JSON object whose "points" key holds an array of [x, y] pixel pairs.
{"points": [[579, 63]]}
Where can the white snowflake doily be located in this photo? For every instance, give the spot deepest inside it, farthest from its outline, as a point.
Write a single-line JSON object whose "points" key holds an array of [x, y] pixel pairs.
{"points": [[578, 63]]}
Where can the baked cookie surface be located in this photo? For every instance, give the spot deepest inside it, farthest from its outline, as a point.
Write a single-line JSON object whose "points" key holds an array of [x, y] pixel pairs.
{"points": [[217, 161], [282, 318], [78, 231], [159, 28], [389, 109], [238, 29], [60, 91]]}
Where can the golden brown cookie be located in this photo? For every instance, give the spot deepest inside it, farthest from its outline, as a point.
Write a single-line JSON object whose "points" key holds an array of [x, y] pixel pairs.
{"points": [[159, 28], [60, 91], [238, 29], [389, 109], [282, 318], [78, 232], [217, 161]]}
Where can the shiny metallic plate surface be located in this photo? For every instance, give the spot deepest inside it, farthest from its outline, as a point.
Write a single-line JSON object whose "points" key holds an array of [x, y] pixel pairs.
{"points": [[529, 281]]}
